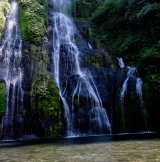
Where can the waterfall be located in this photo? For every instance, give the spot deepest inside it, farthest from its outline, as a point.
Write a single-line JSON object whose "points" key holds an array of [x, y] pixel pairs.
{"points": [[131, 72], [139, 83], [132, 75], [90, 46], [139, 91], [10, 56], [64, 31], [121, 62]]}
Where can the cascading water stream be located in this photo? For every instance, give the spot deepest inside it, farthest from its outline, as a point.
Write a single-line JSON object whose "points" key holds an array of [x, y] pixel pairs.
{"points": [[139, 91], [132, 76], [10, 56], [131, 73], [121, 62], [64, 36]]}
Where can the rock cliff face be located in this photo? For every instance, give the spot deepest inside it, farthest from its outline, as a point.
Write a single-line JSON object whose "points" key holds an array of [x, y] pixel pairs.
{"points": [[43, 112]]}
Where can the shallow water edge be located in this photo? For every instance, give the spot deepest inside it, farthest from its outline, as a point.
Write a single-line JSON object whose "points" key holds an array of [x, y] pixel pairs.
{"points": [[119, 151], [81, 139]]}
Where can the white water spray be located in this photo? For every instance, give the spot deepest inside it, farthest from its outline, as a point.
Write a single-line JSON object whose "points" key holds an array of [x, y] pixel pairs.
{"points": [[139, 83]]}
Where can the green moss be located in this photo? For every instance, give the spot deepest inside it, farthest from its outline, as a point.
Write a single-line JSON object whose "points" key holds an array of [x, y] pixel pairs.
{"points": [[33, 20], [47, 92], [4, 9], [46, 98], [99, 59], [2, 98], [109, 6], [152, 52]]}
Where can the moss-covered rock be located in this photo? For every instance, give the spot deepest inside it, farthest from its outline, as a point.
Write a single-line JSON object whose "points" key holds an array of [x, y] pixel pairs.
{"points": [[33, 20], [4, 9], [2, 98], [45, 96]]}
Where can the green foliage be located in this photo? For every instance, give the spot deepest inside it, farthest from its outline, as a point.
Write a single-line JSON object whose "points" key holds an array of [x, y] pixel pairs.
{"points": [[2, 98], [130, 29], [149, 62], [148, 8], [4, 9], [151, 52], [110, 6], [33, 20], [47, 93], [84, 8]]}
